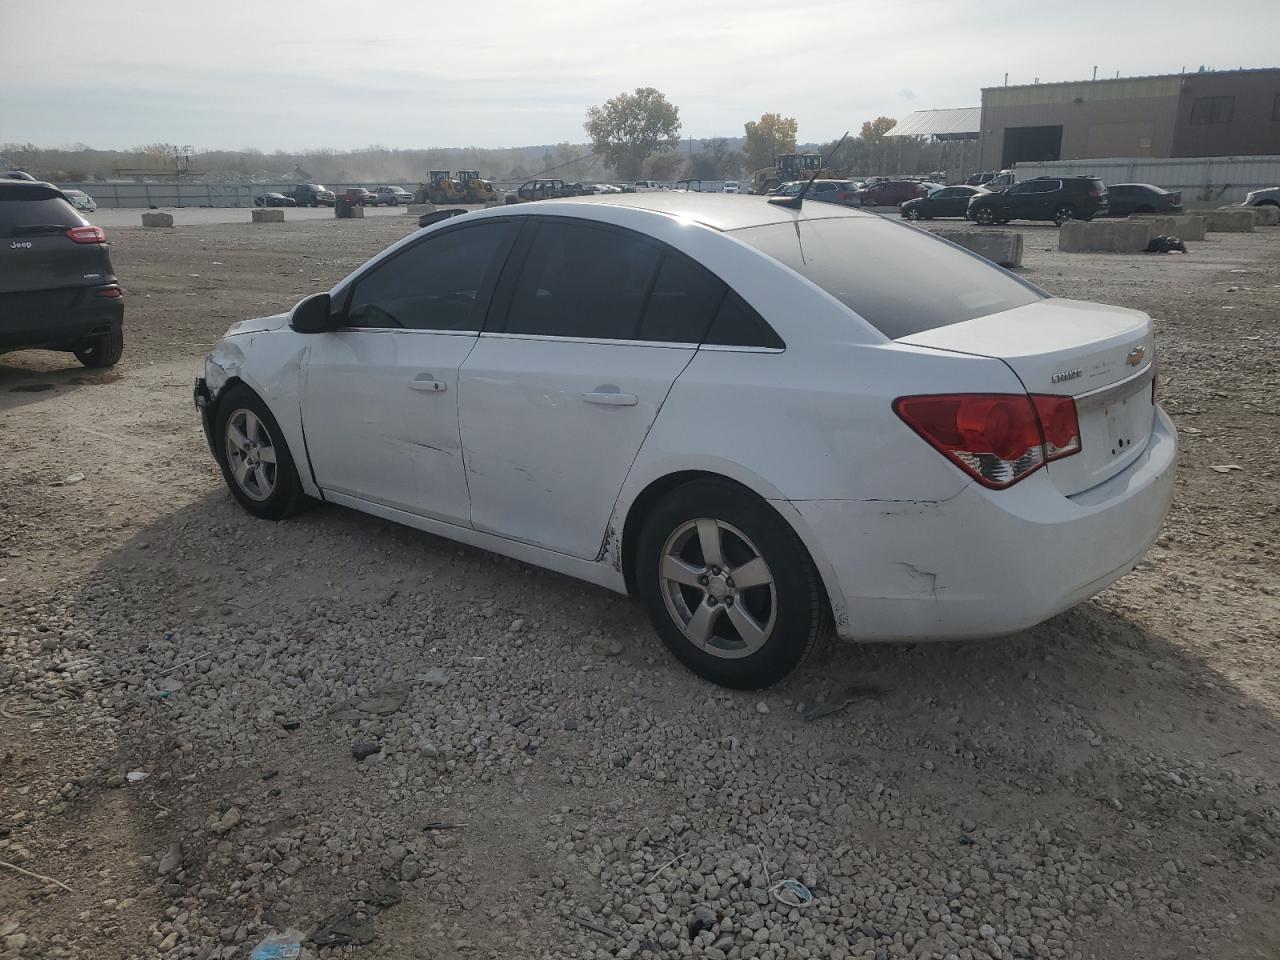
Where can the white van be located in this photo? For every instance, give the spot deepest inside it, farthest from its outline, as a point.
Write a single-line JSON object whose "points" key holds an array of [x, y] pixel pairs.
{"points": [[648, 186]]}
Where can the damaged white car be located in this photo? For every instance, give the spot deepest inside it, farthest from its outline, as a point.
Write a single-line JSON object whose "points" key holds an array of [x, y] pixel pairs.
{"points": [[761, 419]]}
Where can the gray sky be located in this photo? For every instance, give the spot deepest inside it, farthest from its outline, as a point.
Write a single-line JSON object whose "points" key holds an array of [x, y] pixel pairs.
{"points": [[280, 74]]}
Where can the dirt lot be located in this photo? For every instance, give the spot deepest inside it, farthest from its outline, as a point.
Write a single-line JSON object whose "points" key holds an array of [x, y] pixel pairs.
{"points": [[1104, 785]]}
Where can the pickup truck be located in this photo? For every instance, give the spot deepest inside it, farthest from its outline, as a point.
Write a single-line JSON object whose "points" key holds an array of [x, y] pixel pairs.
{"points": [[310, 195]]}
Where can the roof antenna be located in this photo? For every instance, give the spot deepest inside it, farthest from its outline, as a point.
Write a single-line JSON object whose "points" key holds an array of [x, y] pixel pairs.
{"points": [[795, 202]]}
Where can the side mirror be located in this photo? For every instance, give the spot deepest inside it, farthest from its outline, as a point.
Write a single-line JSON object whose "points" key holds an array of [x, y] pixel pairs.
{"points": [[312, 314]]}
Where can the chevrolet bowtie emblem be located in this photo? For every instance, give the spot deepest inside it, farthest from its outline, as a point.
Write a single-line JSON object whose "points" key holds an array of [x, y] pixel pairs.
{"points": [[1135, 356]]}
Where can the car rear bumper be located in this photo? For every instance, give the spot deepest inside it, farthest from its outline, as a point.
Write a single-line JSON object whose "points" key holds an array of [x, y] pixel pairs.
{"points": [[988, 562], [56, 319]]}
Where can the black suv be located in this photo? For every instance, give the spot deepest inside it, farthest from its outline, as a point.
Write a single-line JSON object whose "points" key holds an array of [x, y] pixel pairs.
{"points": [[1044, 198], [311, 195], [57, 288]]}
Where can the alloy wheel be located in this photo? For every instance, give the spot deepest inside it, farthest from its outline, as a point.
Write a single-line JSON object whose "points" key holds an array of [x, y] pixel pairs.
{"points": [[718, 588], [251, 454]]}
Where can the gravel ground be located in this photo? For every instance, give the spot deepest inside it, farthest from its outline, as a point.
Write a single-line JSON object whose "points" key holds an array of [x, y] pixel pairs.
{"points": [[186, 695]]}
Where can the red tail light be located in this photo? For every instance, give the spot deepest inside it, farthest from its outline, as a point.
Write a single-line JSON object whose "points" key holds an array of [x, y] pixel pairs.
{"points": [[110, 293], [996, 438], [1096, 194], [87, 234]]}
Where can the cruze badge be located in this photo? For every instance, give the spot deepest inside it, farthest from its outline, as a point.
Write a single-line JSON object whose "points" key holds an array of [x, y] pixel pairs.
{"points": [[1135, 356], [1064, 375]]}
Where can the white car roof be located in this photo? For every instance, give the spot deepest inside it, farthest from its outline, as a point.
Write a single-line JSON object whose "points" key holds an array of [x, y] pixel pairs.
{"points": [[716, 210]]}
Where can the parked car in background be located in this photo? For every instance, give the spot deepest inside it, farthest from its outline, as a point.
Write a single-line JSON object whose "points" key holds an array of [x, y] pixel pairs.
{"points": [[648, 186], [1268, 197], [572, 434], [273, 200], [311, 195], [540, 189], [843, 192], [81, 200], [58, 290], [357, 196], [891, 193], [942, 202], [1126, 198], [391, 196], [732, 186], [18, 175], [1043, 198]]}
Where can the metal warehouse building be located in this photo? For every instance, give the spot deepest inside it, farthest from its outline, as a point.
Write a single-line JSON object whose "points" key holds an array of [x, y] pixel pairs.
{"points": [[1206, 114]]}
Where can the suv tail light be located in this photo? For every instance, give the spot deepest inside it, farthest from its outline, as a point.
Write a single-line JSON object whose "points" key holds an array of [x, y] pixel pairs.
{"points": [[996, 438], [109, 293], [1096, 194], [87, 234]]}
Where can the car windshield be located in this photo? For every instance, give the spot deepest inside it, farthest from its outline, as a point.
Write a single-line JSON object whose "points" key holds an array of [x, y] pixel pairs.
{"points": [[897, 278]]}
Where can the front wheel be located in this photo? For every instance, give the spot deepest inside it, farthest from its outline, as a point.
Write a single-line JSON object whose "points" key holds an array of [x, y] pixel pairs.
{"points": [[729, 587], [254, 457], [103, 350], [911, 213], [985, 216], [1063, 214]]}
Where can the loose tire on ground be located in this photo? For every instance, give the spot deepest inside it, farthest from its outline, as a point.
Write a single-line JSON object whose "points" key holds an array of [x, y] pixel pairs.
{"points": [[265, 485], [103, 350], [778, 599]]}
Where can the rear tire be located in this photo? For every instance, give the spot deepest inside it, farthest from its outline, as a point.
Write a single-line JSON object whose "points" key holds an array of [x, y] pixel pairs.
{"points": [[253, 455], [985, 216], [1063, 214], [744, 635], [103, 350]]}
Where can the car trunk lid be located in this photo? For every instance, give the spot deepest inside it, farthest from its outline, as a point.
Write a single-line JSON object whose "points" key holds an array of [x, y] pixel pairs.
{"points": [[36, 252], [1099, 355]]}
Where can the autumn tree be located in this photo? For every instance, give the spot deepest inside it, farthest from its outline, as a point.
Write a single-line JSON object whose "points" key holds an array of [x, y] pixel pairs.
{"points": [[769, 137], [631, 127], [873, 131]]}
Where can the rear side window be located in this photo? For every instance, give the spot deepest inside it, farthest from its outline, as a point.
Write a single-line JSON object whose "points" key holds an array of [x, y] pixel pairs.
{"points": [[685, 297], [899, 279], [17, 217], [737, 325], [582, 281]]}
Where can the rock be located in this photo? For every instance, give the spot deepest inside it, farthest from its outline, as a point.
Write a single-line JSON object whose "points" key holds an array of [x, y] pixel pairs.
{"points": [[571, 724], [606, 647], [15, 942], [363, 750], [762, 707], [171, 860], [227, 821]]}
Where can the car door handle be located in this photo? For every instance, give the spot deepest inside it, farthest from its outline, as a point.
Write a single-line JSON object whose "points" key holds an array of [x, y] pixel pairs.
{"points": [[427, 386], [611, 398]]}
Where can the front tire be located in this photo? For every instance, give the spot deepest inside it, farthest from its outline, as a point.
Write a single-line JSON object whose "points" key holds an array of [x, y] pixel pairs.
{"points": [[253, 455], [728, 585], [103, 350], [985, 216], [1063, 214]]}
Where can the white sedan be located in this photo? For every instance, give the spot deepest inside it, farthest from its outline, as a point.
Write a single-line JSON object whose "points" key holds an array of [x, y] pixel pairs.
{"points": [[761, 421]]}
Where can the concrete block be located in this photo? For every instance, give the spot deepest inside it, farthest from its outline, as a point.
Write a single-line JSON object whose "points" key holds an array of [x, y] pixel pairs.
{"points": [[1265, 215], [999, 246], [1105, 236], [157, 219], [1237, 220], [347, 211], [1184, 226], [268, 215]]}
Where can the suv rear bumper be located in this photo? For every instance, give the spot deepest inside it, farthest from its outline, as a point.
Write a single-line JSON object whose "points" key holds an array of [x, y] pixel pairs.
{"points": [[56, 319]]}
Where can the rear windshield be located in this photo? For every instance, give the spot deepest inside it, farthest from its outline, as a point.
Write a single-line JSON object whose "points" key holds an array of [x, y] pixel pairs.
{"points": [[53, 211], [899, 279]]}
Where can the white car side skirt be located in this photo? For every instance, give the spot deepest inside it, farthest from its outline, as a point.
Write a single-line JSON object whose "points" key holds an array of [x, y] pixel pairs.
{"points": [[604, 574]]}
